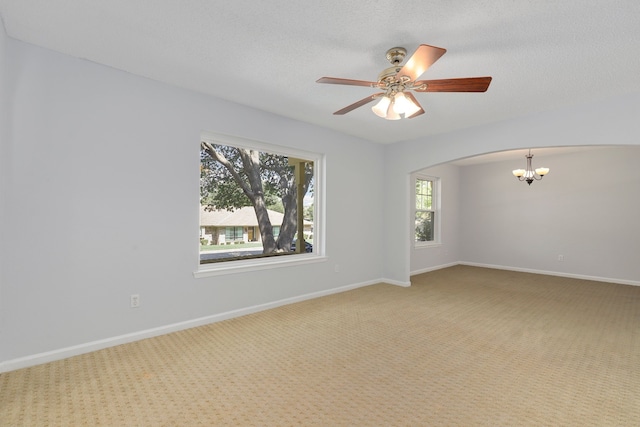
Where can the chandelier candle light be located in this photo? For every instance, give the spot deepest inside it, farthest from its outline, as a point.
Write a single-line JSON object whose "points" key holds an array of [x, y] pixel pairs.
{"points": [[530, 174]]}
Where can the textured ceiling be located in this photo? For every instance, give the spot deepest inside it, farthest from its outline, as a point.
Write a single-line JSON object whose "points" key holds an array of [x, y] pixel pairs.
{"points": [[542, 54]]}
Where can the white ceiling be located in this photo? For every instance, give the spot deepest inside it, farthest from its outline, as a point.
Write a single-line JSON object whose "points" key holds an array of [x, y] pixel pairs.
{"points": [[542, 54]]}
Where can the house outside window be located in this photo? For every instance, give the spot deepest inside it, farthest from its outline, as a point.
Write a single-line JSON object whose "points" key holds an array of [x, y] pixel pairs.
{"points": [[426, 210]]}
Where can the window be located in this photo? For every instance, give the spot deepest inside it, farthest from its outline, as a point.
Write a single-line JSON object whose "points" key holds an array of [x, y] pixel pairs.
{"points": [[233, 233], [426, 212], [253, 199]]}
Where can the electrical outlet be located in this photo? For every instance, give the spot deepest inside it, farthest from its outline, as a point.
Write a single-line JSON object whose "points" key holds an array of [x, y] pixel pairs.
{"points": [[336, 268], [135, 301], [560, 258]]}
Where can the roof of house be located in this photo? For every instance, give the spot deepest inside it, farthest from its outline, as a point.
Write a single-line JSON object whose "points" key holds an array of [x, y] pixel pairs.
{"points": [[245, 216]]}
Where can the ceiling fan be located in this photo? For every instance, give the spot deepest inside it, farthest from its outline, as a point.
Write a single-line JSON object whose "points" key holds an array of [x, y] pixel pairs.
{"points": [[397, 82]]}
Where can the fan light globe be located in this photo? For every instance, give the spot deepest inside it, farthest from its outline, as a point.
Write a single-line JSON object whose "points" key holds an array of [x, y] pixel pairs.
{"points": [[404, 105], [380, 109], [391, 112]]}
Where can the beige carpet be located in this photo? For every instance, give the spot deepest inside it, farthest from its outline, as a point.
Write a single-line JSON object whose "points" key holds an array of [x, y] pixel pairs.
{"points": [[463, 346]]}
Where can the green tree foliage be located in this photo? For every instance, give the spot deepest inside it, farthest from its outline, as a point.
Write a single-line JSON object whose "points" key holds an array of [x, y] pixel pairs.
{"points": [[232, 177], [219, 189], [277, 206], [424, 226], [308, 213]]}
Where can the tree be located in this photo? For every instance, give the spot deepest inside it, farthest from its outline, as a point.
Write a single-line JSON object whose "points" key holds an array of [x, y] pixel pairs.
{"points": [[233, 177], [424, 227], [277, 206], [308, 213]]}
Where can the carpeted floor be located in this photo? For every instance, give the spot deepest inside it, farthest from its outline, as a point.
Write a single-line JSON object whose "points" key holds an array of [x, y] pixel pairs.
{"points": [[463, 346]]}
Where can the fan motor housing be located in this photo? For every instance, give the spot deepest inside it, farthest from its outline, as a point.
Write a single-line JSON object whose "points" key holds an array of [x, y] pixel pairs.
{"points": [[388, 74], [396, 55]]}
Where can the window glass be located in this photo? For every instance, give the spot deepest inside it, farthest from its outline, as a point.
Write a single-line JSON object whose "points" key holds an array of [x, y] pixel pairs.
{"points": [[253, 200], [425, 210], [233, 233], [424, 194], [424, 226]]}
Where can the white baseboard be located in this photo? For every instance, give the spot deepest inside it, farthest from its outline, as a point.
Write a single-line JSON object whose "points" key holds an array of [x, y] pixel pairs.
{"points": [[63, 353], [553, 273], [396, 282], [437, 267]]}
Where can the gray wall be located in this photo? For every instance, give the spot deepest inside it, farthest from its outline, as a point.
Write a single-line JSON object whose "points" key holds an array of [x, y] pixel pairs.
{"points": [[586, 209], [103, 203], [588, 218], [613, 121]]}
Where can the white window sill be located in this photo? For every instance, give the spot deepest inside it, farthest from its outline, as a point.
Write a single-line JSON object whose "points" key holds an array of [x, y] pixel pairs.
{"points": [[231, 267], [427, 245]]}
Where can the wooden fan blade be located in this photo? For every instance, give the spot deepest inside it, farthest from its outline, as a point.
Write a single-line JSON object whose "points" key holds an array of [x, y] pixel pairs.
{"points": [[415, 101], [468, 84], [337, 81], [420, 61], [360, 103]]}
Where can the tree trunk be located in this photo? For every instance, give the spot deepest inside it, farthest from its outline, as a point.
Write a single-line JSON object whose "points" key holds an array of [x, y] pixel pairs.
{"points": [[251, 161], [289, 222], [264, 224]]}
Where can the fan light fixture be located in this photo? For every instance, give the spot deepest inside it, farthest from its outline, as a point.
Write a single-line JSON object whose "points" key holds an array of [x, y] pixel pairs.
{"points": [[404, 105], [530, 174], [398, 82], [395, 107]]}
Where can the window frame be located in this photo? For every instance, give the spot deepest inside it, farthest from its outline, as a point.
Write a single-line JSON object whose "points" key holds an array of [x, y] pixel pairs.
{"points": [[253, 264], [435, 208]]}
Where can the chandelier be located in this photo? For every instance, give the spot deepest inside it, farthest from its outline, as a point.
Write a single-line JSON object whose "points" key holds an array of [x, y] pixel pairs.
{"points": [[530, 174]]}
